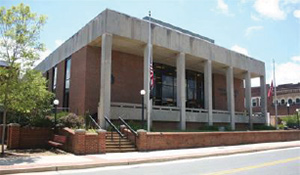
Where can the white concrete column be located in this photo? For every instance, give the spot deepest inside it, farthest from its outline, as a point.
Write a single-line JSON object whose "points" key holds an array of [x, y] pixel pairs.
{"points": [[248, 97], [230, 96], [263, 98], [105, 87], [147, 102], [208, 90], [181, 88]]}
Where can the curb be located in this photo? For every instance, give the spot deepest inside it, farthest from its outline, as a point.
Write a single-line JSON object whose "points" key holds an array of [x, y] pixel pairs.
{"points": [[133, 162]]}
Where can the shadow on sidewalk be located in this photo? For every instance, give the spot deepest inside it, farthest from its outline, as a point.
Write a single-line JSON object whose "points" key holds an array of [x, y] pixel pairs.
{"points": [[9, 159]]}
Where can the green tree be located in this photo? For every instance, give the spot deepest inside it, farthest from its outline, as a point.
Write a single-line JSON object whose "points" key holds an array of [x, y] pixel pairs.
{"points": [[21, 89]]}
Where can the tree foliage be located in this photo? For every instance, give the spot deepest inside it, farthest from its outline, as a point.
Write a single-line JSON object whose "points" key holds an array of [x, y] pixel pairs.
{"points": [[22, 89]]}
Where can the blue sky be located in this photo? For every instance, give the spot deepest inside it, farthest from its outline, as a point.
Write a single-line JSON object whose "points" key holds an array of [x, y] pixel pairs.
{"points": [[263, 29]]}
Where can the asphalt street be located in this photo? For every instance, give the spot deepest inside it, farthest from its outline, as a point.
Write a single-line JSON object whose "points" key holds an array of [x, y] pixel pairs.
{"points": [[275, 162]]}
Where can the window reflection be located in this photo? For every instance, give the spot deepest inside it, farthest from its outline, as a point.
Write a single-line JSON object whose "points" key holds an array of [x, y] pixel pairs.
{"points": [[165, 90]]}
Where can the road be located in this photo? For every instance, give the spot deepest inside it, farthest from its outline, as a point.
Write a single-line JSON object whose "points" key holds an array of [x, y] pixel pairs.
{"points": [[275, 162]]}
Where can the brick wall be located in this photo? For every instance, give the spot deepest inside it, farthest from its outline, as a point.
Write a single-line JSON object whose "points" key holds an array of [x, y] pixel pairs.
{"points": [[220, 93], [92, 89], [26, 137], [79, 142], [128, 74], [77, 82], [161, 141]]}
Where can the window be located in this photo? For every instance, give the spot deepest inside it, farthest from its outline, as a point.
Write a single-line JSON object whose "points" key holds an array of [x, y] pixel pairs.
{"points": [[54, 79], [165, 87], [67, 83], [282, 101], [47, 78], [297, 100], [254, 102], [290, 101], [194, 89]]}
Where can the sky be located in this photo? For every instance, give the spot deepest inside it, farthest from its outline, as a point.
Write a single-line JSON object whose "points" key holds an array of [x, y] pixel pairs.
{"points": [[262, 29]]}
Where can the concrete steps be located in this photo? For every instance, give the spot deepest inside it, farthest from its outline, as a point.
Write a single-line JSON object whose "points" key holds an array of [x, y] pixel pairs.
{"points": [[116, 144]]}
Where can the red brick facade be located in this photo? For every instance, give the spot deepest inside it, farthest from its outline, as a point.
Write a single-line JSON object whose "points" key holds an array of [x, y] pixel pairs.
{"points": [[220, 94], [25, 137], [127, 81]]}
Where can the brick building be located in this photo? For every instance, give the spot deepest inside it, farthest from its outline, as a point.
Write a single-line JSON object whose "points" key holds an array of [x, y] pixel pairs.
{"points": [[103, 67], [286, 94]]}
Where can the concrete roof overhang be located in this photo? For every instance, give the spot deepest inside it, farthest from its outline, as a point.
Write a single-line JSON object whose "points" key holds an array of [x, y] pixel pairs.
{"points": [[130, 35]]}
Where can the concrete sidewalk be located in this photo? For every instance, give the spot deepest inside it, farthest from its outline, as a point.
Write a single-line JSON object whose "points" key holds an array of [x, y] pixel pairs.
{"points": [[65, 162]]}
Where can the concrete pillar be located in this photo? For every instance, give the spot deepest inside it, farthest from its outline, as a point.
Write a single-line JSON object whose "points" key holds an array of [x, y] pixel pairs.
{"points": [[105, 85], [181, 89], [248, 97], [147, 102], [263, 98], [230, 96], [208, 90]]}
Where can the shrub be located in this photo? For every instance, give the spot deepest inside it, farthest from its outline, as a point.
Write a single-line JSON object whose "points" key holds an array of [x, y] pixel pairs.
{"points": [[291, 121], [263, 127], [71, 120]]}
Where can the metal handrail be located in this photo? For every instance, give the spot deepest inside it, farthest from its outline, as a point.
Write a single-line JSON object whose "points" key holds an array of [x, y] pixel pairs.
{"points": [[114, 127], [127, 126], [94, 122]]}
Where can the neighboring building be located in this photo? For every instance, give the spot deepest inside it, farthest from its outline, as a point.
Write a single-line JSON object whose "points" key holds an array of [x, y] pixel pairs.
{"points": [[103, 67], [3, 64], [286, 94]]}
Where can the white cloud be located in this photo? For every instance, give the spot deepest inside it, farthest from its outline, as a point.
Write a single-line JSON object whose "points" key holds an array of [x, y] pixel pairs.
{"points": [[297, 13], [43, 55], [255, 18], [223, 8], [269, 9], [251, 29], [296, 58], [287, 73], [240, 50], [291, 1], [59, 42], [255, 82]]}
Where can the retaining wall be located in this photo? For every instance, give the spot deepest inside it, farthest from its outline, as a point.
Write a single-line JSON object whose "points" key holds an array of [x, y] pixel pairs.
{"points": [[27, 137], [147, 141]]}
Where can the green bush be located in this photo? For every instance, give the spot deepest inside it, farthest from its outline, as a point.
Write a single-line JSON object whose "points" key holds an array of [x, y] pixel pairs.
{"points": [[209, 128], [263, 127], [71, 120], [290, 121]]}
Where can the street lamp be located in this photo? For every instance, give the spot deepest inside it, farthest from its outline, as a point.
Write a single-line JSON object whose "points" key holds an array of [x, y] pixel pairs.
{"points": [[297, 110], [143, 92], [288, 108], [55, 103]]}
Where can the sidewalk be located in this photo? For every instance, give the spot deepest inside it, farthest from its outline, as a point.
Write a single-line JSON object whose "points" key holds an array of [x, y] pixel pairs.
{"points": [[65, 162]]}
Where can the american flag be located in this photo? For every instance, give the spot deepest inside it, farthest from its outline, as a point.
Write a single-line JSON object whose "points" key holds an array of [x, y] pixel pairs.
{"points": [[270, 92]]}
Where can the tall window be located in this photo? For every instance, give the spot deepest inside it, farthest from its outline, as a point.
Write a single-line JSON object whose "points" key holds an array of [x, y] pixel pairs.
{"points": [[47, 78], [194, 89], [54, 79], [67, 83], [165, 87]]}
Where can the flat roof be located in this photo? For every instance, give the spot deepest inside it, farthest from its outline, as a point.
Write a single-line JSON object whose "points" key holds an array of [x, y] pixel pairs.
{"points": [[165, 24]]}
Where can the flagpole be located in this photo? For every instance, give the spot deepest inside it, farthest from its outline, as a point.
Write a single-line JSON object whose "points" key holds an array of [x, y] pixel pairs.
{"points": [[275, 96], [149, 106]]}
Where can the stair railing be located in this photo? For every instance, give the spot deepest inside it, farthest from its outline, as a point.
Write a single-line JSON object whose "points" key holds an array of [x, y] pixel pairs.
{"points": [[116, 129], [94, 122], [128, 127]]}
